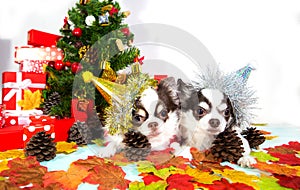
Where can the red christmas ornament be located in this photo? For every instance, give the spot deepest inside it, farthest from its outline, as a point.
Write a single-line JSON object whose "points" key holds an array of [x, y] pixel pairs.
{"points": [[68, 64], [113, 11], [77, 32], [125, 31], [59, 65], [51, 64], [76, 67]]}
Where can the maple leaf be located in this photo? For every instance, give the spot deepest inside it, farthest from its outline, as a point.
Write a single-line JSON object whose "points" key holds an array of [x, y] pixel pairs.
{"points": [[280, 149], [293, 145], [178, 162], [275, 168], [90, 162], [150, 179], [239, 177], [269, 183], [290, 159], [120, 159], [6, 184], [178, 181], [202, 177], [3, 165], [65, 147], [25, 171], [148, 167], [14, 153], [108, 176], [263, 157], [69, 180], [224, 184], [31, 100], [289, 182], [154, 185]]}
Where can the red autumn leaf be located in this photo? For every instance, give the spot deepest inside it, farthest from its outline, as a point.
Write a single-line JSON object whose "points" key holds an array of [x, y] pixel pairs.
{"points": [[293, 145], [151, 178], [275, 169], [178, 181], [69, 180], [178, 162], [280, 149], [289, 182], [25, 171], [224, 184], [108, 176], [289, 159]]}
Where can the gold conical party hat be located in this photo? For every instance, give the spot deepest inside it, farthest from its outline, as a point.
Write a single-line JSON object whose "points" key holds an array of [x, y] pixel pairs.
{"points": [[109, 90]]}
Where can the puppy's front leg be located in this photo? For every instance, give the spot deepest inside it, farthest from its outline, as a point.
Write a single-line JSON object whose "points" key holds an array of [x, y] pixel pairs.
{"points": [[114, 145], [246, 160]]}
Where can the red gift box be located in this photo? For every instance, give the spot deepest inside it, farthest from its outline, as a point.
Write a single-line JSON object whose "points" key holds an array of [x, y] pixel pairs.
{"points": [[61, 128], [14, 84], [30, 53], [40, 123], [21, 117], [81, 109], [39, 38], [11, 138], [2, 118]]}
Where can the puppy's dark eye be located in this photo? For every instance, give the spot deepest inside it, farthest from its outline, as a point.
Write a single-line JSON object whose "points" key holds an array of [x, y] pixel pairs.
{"points": [[200, 111], [138, 116], [227, 112], [163, 114]]}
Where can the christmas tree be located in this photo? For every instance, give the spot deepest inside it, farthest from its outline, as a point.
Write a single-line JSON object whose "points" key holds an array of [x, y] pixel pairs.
{"points": [[94, 38]]}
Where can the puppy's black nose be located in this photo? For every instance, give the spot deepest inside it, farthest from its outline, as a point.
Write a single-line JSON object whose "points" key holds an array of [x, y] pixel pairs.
{"points": [[214, 123], [153, 125]]}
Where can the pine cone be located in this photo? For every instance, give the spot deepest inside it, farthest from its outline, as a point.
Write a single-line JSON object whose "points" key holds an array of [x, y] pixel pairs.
{"points": [[227, 146], [42, 146], [78, 44], [79, 133], [53, 100], [137, 146], [254, 137]]}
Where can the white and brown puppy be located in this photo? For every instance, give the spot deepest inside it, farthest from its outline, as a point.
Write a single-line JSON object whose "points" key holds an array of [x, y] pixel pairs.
{"points": [[205, 114], [156, 114]]}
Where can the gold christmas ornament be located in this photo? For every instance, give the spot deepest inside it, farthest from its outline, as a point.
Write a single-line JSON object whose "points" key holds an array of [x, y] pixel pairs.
{"points": [[126, 14], [83, 2], [82, 51], [106, 8], [109, 73], [120, 45]]}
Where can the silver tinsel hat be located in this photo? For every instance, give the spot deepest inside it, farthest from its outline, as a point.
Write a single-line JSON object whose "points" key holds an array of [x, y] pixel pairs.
{"points": [[234, 85]]}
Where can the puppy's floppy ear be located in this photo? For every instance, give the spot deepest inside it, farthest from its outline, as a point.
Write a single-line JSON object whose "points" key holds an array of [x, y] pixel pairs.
{"points": [[187, 94], [167, 92]]}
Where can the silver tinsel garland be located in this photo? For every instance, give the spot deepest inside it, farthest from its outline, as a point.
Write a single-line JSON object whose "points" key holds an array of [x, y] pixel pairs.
{"points": [[234, 85]]}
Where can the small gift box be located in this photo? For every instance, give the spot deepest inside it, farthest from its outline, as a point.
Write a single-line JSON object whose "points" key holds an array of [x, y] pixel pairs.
{"points": [[39, 38], [81, 109], [38, 124], [11, 138], [14, 84], [30, 53], [2, 118], [21, 117]]}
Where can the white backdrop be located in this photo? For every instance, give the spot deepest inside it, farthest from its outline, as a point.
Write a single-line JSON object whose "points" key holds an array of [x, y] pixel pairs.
{"points": [[235, 32]]}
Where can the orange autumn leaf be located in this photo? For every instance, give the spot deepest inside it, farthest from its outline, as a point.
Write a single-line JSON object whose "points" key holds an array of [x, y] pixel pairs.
{"points": [[159, 157], [31, 100], [201, 176], [276, 168], [120, 159], [69, 180], [178, 162], [89, 163], [108, 176], [265, 132], [25, 171], [6, 184]]}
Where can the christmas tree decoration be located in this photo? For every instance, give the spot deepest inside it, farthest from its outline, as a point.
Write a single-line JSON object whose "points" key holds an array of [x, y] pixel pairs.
{"points": [[126, 13], [125, 31], [89, 20], [120, 45], [104, 19], [113, 11], [227, 146], [66, 26], [76, 67], [79, 133], [82, 51], [83, 2], [108, 73], [137, 146], [41, 146], [254, 137], [119, 113], [77, 32], [59, 65], [234, 85], [53, 100], [51, 64], [78, 45]]}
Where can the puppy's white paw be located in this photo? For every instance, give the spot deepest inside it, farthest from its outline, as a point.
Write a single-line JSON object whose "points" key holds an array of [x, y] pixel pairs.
{"points": [[106, 152], [246, 161]]}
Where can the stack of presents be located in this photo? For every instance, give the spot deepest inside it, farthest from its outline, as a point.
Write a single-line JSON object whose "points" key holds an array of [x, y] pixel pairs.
{"points": [[17, 124]]}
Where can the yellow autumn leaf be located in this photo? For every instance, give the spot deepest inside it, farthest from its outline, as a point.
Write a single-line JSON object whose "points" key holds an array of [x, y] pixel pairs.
{"points": [[14, 153], [201, 176], [65, 147], [31, 100], [238, 176], [269, 137], [3, 165]]}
